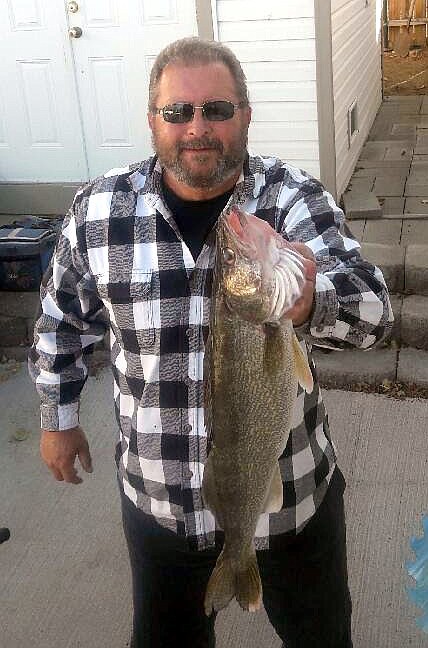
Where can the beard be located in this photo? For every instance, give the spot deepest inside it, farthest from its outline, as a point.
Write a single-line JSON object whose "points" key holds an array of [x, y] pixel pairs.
{"points": [[203, 173]]}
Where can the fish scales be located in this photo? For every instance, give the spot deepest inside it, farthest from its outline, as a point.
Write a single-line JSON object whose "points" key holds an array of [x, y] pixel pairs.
{"points": [[255, 388], [252, 371]]}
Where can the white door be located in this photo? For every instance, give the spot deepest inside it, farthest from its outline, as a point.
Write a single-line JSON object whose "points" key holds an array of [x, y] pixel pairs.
{"points": [[76, 106], [40, 126], [113, 58]]}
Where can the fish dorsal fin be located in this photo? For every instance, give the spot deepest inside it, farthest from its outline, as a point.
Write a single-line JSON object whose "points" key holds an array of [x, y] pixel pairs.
{"points": [[304, 374], [274, 498]]}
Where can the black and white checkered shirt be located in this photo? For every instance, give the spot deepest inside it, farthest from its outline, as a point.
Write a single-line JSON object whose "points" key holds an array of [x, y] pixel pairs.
{"points": [[120, 262]]}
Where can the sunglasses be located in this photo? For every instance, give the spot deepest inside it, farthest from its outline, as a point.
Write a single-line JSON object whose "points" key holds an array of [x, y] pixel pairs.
{"points": [[181, 112]]}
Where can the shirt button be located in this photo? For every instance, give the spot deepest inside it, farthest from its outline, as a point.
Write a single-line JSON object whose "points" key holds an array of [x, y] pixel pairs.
{"points": [[187, 427], [187, 474]]}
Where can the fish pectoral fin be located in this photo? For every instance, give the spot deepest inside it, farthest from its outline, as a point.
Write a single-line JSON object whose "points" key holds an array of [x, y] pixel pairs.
{"points": [[273, 503], [209, 493], [304, 374]]}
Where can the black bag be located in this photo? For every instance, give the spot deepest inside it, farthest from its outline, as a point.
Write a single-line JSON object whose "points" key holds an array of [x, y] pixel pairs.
{"points": [[26, 248]]}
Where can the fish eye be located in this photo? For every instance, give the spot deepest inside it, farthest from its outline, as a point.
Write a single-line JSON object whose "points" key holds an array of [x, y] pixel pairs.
{"points": [[228, 256]]}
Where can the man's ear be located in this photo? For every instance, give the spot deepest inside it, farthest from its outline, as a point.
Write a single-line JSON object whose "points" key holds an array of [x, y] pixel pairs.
{"points": [[249, 113], [150, 119]]}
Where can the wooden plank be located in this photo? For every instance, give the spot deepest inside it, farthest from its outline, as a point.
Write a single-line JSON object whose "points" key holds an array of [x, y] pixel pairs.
{"points": [[236, 10], [285, 50], [285, 91], [271, 30], [280, 111], [395, 9], [417, 21], [419, 32], [398, 11], [283, 131], [280, 71]]}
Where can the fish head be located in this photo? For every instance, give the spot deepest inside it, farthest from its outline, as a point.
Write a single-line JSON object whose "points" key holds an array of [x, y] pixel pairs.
{"points": [[247, 255]]}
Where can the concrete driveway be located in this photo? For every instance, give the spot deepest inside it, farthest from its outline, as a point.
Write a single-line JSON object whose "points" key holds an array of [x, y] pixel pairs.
{"points": [[64, 574]]}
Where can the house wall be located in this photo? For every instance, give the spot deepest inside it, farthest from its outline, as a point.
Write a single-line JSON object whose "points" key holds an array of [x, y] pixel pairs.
{"points": [[357, 74], [275, 42]]}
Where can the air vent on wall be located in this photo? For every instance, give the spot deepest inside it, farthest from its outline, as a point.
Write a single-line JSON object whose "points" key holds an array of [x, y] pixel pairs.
{"points": [[352, 123]]}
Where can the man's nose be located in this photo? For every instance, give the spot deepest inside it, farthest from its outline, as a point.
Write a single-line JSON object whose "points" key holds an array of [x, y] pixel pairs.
{"points": [[199, 125]]}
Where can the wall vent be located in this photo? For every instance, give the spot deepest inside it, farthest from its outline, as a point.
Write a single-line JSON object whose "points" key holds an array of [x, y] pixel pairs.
{"points": [[352, 123]]}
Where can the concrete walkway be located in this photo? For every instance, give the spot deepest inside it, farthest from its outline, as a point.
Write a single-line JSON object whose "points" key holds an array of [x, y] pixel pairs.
{"points": [[386, 206], [64, 573]]}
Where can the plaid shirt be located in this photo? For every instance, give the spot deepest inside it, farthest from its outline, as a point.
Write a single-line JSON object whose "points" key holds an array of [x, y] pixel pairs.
{"points": [[120, 262]]}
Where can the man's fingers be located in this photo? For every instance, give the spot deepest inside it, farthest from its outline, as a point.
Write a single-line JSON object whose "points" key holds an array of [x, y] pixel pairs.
{"points": [[304, 250], [85, 458], [65, 473], [59, 449], [308, 260], [310, 269], [56, 473], [70, 475]]}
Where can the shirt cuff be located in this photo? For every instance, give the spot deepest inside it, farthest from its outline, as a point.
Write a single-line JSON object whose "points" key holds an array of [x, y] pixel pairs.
{"points": [[61, 417], [324, 313]]}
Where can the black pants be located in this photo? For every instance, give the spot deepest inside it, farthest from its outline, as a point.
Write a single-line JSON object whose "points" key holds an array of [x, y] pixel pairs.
{"points": [[305, 589]]}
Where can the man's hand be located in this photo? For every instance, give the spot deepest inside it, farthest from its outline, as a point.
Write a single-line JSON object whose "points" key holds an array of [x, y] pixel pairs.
{"points": [[303, 306], [59, 451]]}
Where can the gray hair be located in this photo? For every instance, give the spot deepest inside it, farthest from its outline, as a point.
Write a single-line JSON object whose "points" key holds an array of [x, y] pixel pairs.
{"points": [[193, 52]]}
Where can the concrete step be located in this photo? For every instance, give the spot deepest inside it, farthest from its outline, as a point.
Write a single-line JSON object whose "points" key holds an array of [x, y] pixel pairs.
{"points": [[375, 367], [405, 267], [411, 320], [361, 204], [405, 360]]}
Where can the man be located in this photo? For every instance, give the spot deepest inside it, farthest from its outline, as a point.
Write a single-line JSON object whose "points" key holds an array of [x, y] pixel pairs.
{"points": [[136, 253]]}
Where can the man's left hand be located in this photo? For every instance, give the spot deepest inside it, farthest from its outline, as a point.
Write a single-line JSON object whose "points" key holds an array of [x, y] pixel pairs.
{"points": [[301, 310]]}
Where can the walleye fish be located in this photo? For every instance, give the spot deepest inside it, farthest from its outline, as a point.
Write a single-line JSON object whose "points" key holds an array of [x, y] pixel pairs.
{"points": [[252, 370]]}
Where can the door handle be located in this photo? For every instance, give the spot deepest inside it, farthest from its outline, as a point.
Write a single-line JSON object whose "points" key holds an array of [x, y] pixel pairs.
{"points": [[75, 32]]}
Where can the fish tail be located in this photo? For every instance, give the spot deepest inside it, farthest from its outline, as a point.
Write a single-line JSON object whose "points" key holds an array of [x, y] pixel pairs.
{"points": [[249, 586], [226, 582], [221, 585]]}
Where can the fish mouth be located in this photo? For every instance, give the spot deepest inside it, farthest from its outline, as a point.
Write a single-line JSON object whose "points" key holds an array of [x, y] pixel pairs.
{"points": [[234, 227], [236, 223]]}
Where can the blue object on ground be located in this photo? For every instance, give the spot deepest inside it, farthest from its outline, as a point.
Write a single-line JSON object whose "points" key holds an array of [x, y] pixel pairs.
{"points": [[419, 571]]}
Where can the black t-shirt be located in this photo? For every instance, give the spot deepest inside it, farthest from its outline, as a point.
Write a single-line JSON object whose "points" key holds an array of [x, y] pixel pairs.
{"points": [[195, 218]]}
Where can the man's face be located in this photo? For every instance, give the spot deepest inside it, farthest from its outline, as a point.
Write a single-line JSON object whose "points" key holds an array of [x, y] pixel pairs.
{"points": [[199, 153]]}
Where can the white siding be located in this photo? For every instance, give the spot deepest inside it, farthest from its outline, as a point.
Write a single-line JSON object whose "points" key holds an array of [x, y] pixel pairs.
{"points": [[357, 75], [275, 42]]}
